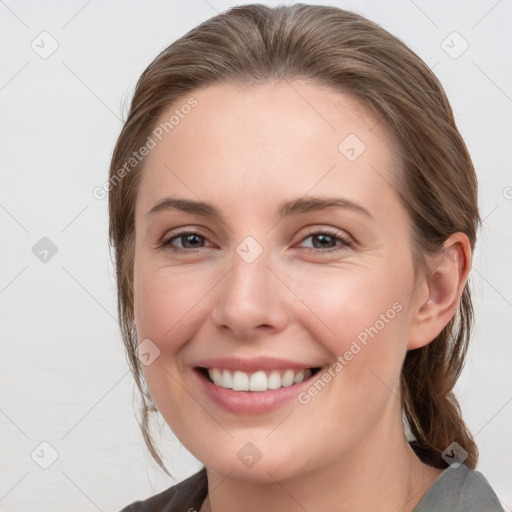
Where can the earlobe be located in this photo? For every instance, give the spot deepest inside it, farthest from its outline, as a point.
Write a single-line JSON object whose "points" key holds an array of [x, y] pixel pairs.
{"points": [[444, 285]]}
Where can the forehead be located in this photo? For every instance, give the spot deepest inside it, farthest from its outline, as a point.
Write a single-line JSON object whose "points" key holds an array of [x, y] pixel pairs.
{"points": [[256, 144]]}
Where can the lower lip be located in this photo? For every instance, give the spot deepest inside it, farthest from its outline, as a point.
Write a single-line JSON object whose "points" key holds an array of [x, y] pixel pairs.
{"points": [[251, 402]]}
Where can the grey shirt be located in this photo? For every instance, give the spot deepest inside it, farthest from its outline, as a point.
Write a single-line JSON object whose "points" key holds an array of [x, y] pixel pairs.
{"points": [[460, 489], [455, 490]]}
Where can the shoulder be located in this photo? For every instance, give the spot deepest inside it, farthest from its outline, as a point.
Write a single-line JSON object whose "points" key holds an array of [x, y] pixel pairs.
{"points": [[186, 496], [460, 489]]}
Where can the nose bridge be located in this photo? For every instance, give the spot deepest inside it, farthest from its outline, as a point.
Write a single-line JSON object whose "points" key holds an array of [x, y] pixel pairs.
{"points": [[250, 295]]}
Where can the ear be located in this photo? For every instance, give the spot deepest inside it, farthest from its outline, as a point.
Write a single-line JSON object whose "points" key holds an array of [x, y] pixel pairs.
{"points": [[438, 296]]}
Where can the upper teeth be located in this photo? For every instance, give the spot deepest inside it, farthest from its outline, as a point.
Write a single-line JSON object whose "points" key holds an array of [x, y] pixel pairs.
{"points": [[259, 381]]}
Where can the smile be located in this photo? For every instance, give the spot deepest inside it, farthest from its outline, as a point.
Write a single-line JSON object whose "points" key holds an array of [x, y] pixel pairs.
{"points": [[252, 385], [261, 380]]}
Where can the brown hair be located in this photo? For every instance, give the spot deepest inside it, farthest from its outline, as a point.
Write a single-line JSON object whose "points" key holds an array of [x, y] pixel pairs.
{"points": [[436, 180]]}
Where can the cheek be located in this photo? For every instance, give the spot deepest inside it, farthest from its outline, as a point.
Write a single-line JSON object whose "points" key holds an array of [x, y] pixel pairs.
{"points": [[166, 303], [361, 318], [347, 304]]}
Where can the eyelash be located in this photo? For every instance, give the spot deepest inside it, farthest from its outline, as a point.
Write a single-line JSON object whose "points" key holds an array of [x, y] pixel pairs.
{"points": [[345, 242]]}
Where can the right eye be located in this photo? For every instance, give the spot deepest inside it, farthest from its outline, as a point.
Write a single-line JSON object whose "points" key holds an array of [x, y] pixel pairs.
{"points": [[190, 242]]}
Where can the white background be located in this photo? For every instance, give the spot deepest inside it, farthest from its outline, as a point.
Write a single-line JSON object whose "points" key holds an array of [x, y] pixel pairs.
{"points": [[64, 378]]}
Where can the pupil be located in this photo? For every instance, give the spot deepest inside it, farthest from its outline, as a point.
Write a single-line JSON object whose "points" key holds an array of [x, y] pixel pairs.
{"points": [[322, 237], [190, 238]]}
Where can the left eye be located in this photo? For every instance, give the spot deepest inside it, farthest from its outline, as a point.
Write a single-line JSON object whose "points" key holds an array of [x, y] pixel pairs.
{"points": [[328, 241]]}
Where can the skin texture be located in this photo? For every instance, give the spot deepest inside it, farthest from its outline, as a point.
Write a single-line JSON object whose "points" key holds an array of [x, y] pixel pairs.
{"points": [[247, 150]]}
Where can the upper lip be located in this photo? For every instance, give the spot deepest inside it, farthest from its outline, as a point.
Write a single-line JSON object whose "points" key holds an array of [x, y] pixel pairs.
{"points": [[253, 364]]}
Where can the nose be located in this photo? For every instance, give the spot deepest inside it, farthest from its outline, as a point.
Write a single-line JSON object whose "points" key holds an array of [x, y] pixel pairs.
{"points": [[250, 299]]}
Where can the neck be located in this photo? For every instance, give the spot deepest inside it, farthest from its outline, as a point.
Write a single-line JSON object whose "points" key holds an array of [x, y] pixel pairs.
{"points": [[383, 473]]}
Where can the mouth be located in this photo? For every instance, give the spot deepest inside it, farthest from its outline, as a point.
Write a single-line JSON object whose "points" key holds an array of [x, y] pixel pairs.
{"points": [[258, 381]]}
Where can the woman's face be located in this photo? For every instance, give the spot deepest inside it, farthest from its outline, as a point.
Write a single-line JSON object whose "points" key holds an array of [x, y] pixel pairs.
{"points": [[272, 282]]}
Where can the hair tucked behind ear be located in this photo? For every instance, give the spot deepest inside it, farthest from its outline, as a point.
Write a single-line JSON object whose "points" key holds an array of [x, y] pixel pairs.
{"points": [[435, 180], [428, 377]]}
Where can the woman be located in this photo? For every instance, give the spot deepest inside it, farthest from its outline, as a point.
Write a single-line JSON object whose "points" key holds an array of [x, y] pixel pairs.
{"points": [[293, 214]]}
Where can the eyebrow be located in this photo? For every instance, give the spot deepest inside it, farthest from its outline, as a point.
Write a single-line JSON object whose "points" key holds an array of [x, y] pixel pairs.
{"points": [[297, 206]]}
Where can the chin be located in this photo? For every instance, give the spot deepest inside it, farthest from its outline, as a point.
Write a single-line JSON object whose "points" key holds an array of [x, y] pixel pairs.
{"points": [[265, 470]]}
